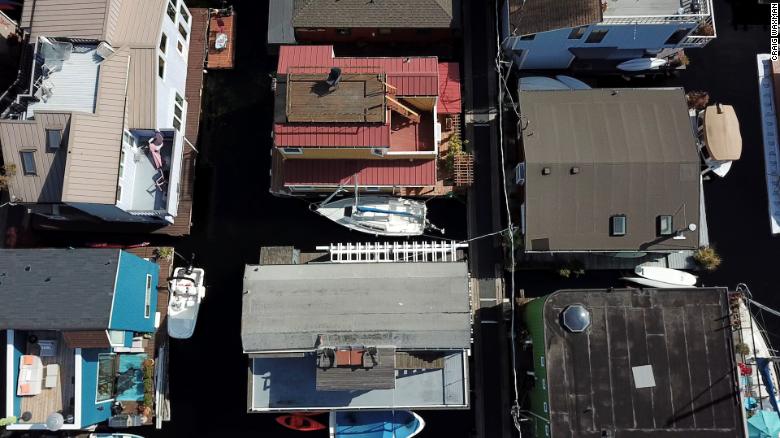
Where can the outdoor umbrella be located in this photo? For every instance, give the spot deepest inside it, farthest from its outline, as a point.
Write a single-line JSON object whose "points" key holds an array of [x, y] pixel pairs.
{"points": [[764, 424]]}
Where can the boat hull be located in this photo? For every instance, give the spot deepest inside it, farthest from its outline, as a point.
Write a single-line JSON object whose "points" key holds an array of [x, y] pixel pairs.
{"points": [[641, 64], [666, 275], [654, 283], [186, 292], [375, 424]]}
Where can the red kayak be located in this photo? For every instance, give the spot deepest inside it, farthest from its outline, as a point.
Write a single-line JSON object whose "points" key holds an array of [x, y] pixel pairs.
{"points": [[300, 423]]}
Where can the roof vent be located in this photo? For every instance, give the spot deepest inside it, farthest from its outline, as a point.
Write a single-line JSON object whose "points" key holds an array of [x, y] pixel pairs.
{"points": [[575, 170], [546, 171], [576, 318]]}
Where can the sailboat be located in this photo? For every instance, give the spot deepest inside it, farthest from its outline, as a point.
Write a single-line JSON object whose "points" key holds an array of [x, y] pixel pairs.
{"points": [[757, 368], [380, 215], [186, 292]]}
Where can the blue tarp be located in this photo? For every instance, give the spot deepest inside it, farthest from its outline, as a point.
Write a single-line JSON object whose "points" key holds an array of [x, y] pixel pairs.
{"points": [[764, 424]]}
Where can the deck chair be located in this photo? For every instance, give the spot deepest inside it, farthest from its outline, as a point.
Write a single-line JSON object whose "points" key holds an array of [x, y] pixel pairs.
{"points": [[52, 376]]}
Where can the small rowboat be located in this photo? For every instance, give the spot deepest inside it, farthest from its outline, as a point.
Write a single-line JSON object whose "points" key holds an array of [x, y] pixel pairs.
{"points": [[640, 64], [300, 423], [664, 278]]}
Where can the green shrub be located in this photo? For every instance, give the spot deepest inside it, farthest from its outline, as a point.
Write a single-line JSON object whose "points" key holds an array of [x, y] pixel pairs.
{"points": [[573, 267], [7, 421], [742, 348]]}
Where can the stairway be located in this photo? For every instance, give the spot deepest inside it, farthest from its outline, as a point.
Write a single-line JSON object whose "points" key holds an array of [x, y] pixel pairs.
{"points": [[402, 109]]}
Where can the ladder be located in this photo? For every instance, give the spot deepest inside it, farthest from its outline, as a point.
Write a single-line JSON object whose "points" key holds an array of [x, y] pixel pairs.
{"points": [[402, 109], [393, 252]]}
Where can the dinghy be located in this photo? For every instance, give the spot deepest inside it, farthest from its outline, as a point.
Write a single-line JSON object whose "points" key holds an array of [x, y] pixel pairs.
{"points": [[300, 423], [640, 64], [663, 278], [529, 83], [573, 83], [186, 292], [375, 424]]}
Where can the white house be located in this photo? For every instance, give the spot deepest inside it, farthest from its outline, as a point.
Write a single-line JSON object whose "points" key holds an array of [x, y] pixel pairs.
{"points": [[555, 34], [99, 128]]}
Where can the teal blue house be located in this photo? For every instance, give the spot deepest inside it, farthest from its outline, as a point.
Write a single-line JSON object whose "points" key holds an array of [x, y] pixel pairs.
{"points": [[71, 317]]}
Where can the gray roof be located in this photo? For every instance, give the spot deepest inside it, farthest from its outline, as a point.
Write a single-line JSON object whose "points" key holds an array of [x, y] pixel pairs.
{"points": [[595, 379], [280, 30], [609, 152], [376, 13], [57, 289], [533, 16], [406, 305]]}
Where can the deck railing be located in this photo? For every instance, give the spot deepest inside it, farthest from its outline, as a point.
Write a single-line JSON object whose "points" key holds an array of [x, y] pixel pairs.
{"points": [[705, 19]]}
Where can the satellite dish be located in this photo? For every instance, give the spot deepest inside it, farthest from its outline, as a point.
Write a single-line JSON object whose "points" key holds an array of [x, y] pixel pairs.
{"points": [[55, 421]]}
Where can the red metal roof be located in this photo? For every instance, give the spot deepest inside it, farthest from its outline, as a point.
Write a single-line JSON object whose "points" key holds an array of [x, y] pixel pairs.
{"points": [[331, 135], [407, 173], [412, 76], [449, 88]]}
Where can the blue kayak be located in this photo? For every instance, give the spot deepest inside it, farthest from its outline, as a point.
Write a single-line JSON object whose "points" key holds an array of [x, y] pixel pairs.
{"points": [[375, 424]]}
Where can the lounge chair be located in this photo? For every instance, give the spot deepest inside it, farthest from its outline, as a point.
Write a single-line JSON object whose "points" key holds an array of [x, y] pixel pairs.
{"points": [[52, 376], [30, 375]]}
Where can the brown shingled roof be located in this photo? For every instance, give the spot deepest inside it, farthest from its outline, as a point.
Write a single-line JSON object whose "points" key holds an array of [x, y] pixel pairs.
{"points": [[377, 13], [533, 16]]}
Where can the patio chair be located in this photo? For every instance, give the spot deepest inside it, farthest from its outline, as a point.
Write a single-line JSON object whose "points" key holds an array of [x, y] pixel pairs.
{"points": [[52, 376]]}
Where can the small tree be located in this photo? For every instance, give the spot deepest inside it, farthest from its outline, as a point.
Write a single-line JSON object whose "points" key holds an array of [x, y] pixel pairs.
{"points": [[454, 149], [163, 253], [707, 258], [573, 267], [9, 169], [697, 99]]}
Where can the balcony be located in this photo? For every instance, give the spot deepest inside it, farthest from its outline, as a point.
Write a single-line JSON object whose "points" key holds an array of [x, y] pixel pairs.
{"points": [[625, 12]]}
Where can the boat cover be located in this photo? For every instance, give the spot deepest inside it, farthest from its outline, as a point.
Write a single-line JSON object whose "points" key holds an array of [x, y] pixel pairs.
{"points": [[766, 377]]}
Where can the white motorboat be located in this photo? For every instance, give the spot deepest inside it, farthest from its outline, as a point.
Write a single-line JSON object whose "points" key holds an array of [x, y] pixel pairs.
{"points": [[573, 83], [640, 64], [378, 215], [663, 278], [186, 292]]}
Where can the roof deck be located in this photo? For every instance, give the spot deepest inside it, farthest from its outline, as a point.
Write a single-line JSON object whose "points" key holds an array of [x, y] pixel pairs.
{"points": [[60, 397], [65, 77], [358, 98], [652, 363], [281, 384], [644, 8]]}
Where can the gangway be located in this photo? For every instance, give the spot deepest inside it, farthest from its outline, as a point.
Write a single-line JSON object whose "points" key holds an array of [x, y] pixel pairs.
{"points": [[390, 252]]}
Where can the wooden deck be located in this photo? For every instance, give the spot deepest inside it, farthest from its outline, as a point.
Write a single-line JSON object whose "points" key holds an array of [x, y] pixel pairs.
{"points": [[359, 98], [225, 58], [57, 399], [196, 59]]}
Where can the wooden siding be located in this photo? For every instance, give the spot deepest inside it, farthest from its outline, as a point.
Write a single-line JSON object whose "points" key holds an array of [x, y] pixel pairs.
{"points": [[65, 18], [112, 18], [142, 89], [17, 136], [140, 23], [87, 339], [419, 360], [92, 166], [166, 270], [192, 94]]}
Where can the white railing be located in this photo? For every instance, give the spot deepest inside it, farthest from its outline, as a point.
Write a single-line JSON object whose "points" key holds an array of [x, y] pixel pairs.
{"points": [[393, 252]]}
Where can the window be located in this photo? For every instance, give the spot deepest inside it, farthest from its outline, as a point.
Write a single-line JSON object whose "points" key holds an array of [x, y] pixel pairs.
{"points": [[544, 406], [292, 151], [183, 32], [379, 152], [665, 225], [106, 377], [116, 338], [161, 67], [541, 361], [528, 37], [180, 47], [118, 193], [163, 43], [597, 36], [385, 31], [178, 110], [148, 297], [28, 162], [121, 164], [184, 14], [372, 189], [171, 11], [618, 225], [344, 31], [676, 37], [578, 32], [53, 139]]}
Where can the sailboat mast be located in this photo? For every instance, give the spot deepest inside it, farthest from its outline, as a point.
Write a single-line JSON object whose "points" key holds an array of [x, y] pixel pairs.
{"points": [[357, 194]]}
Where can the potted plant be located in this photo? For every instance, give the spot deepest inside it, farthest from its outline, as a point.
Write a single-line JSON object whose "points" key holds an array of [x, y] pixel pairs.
{"points": [[742, 349], [163, 253]]}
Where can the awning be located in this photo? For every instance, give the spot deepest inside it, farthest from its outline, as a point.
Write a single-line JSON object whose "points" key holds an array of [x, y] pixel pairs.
{"points": [[721, 133]]}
